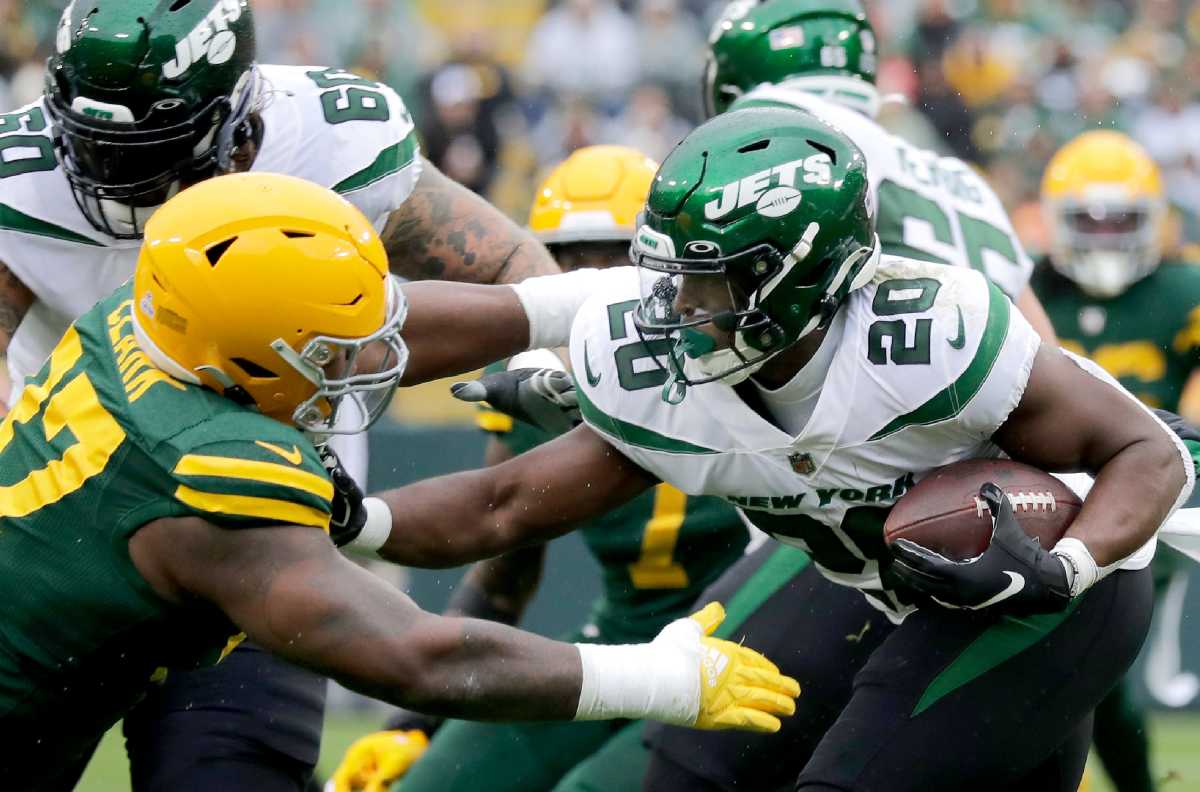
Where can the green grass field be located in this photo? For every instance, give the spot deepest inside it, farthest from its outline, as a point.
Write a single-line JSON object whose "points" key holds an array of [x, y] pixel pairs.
{"points": [[1176, 750]]}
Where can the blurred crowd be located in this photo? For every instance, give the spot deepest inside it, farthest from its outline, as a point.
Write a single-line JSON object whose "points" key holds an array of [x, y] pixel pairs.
{"points": [[502, 88]]}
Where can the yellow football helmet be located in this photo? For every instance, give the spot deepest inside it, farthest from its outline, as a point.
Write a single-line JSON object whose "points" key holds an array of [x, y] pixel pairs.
{"points": [[1105, 208], [593, 196], [266, 288]]}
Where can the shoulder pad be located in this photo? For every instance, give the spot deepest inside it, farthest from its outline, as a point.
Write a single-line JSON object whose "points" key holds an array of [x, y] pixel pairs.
{"points": [[354, 136]]}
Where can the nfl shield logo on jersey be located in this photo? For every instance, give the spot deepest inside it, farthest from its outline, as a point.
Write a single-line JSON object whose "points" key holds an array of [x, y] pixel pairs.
{"points": [[802, 463]]}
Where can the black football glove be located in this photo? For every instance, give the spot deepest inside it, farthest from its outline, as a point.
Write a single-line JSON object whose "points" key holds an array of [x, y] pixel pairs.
{"points": [[348, 515], [542, 397], [1014, 574]]}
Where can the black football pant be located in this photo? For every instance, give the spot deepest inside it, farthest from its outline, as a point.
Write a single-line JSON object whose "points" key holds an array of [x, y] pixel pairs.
{"points": [[947, 701], [251, 722]]}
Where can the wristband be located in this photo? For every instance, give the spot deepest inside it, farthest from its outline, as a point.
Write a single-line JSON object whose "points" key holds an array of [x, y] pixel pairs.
{"points": [[536, 358], [551, 301], [376, 530], [1081, 567], [658, 680]]}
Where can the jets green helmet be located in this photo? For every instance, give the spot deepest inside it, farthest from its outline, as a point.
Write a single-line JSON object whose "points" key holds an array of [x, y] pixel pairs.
{"points": [[822, 46], [757, 227], [146, 97]]}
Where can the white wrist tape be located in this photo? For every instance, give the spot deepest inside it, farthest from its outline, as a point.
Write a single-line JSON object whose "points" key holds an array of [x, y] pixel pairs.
{"points": [[658, 680], [376, 530], [1082, 570], [551, 301], [536, 358]]}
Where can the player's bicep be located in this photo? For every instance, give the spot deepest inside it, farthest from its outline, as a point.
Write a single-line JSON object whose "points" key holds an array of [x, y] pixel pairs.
{"points": [[446, 232], [1071, 420], [286, 587]]}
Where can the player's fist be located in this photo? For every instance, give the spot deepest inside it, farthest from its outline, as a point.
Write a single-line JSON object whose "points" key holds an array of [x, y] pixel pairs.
{"points": [[374, 762], [739, 688]]}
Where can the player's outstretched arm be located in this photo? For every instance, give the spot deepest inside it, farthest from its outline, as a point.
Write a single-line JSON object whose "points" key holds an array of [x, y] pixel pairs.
{"points": [[500, 588], [291, 592], [532, 498], [446, 232], [1070, 420], [1031, 308]]}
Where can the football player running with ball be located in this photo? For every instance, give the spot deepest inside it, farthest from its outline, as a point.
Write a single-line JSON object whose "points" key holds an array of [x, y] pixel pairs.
{"points": [[163, 496], [1113, 296], [144, 97], [767, 352], [657, 553]]}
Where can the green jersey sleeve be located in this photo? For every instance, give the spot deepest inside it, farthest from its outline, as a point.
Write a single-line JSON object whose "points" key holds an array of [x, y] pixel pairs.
{"points": [[249, 483]]}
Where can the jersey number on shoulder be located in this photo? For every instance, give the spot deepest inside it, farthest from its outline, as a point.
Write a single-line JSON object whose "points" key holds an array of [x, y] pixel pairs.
{"points": [[350, 97], [637, 368], [20, 151], [892, 298], [74, 407], [656, 567], [934, 225]]}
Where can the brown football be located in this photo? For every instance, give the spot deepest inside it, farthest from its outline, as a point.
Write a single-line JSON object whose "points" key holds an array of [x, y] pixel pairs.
{"points": [[944, 512]]}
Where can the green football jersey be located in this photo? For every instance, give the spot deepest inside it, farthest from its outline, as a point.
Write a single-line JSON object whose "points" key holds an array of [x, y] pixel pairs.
{"points": [[1147, 337], [101, 443], [657, 553]]}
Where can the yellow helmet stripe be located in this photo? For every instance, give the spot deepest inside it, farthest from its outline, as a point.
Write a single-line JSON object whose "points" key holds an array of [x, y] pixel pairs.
{"points": [[253, 470], [285, 512], [492, 421]]}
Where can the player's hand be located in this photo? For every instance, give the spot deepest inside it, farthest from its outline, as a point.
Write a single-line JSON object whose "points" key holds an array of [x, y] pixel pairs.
{"points": [[1014, 573], [739, 688], [374, 762], [542, 397], [348, 515]]}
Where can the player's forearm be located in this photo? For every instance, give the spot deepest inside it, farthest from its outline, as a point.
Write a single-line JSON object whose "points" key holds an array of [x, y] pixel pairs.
{"points": [[1133, 494], [446, 232], [460, 518], [471, 668], [452, 328]]}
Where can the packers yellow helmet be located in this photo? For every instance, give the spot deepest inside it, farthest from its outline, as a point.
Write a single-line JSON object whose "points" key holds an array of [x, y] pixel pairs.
{"points": [[266, 288], [1104, 205], [593, 196]]}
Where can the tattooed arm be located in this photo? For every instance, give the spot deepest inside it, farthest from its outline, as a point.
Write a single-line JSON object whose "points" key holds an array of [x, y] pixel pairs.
{"points": [[446, 232], [15, 300]]}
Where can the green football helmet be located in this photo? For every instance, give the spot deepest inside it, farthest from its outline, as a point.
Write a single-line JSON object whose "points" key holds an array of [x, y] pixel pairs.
{"points": [[146, 97], [760, 224], [823, 46]]}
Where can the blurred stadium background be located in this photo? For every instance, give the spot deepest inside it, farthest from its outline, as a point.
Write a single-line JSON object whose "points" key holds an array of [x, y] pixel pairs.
{"points": [[502, 89]]}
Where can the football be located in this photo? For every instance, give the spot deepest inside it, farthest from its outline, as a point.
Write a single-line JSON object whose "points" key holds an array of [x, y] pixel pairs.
{"points": [[944, 512]]}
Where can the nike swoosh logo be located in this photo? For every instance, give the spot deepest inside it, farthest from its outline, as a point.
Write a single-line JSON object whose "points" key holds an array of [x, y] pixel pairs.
{"points": [[294, 456], [1016, 583], [961, 340], [592, 379]]}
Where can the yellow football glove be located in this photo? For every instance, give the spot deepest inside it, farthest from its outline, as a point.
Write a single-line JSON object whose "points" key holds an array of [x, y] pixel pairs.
{"points": [[374, 762], [739, 688]]}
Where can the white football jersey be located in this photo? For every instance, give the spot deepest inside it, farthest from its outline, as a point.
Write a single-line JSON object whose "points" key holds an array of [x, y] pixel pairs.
{"points": [[927, 206], [325, 125], [930, 363]]}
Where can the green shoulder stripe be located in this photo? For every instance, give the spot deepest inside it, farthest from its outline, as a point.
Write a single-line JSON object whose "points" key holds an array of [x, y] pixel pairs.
{"points": [[391, 160], [633, 434], [951, 400], [12, 220]]}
